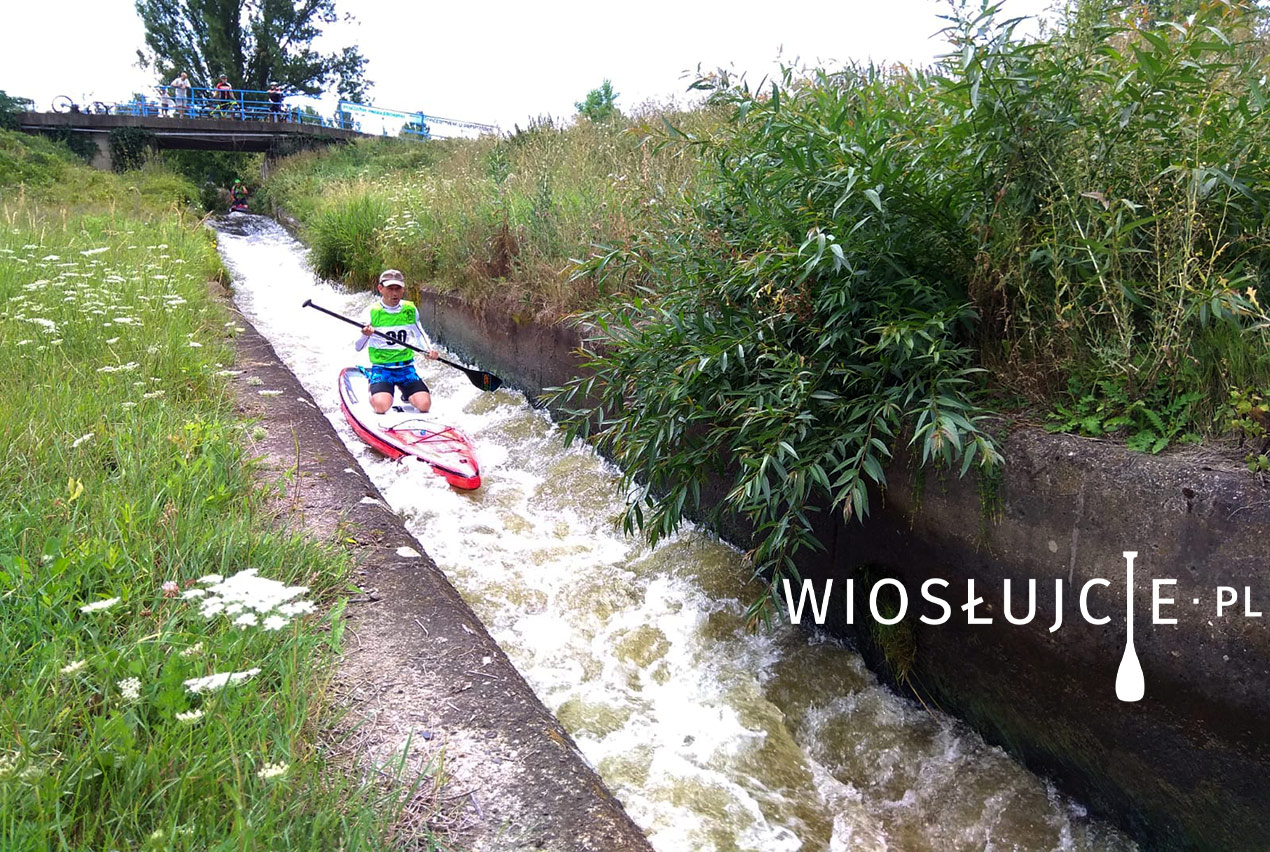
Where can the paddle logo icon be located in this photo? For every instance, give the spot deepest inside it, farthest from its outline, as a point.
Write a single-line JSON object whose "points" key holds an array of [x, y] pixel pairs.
{"points": [[1130, 684]]}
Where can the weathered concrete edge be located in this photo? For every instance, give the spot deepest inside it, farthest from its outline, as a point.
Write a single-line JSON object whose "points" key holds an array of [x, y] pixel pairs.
{"points": [[1185, 768], [418, 653]]}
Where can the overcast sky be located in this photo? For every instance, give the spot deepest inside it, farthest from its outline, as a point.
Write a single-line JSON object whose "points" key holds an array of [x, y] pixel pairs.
{"points": [[500, 62]]}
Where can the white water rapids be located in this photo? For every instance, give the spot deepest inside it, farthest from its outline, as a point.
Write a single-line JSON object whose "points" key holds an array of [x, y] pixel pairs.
{"points": [[714, 739]]}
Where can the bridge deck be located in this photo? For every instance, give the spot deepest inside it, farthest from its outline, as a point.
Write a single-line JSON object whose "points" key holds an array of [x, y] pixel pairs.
{"points": [[201, 134]]}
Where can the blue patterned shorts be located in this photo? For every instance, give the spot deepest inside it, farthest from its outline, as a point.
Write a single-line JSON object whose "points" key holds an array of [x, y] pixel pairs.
{"points": [[383, 377]]}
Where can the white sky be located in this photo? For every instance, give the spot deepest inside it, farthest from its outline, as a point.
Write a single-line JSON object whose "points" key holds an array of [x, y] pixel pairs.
{"points": [[500, 62]]}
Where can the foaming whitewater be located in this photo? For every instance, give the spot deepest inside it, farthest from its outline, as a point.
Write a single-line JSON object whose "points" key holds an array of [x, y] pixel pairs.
{"points": [[714, 739]]}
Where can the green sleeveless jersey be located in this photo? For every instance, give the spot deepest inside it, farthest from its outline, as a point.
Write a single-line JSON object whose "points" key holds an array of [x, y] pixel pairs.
{"points": [[401, 326]]}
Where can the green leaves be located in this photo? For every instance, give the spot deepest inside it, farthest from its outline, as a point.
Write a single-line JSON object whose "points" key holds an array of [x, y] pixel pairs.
{"points": [[803, 319]]}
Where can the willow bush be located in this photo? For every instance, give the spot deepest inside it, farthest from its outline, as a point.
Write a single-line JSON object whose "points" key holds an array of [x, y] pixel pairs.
{"points": [[1120, 202], [1087, 208], [804, 311]]}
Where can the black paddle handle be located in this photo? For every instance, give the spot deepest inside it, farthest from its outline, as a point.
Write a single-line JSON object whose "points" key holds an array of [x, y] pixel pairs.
{"points": [[309, 303]]}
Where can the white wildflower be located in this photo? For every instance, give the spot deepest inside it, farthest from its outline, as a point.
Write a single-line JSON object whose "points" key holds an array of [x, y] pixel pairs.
{"points": [[272, 770], [211, 579], [192, 716], [98, 606], [247, 591], [93, 251], [71, 668], [190, 594], [112, 341], [130, 688], [153, 394], [128, 405], [217, 681], [193, 651], [81, 439], [247, 619], [276, 622], [194, 344]]}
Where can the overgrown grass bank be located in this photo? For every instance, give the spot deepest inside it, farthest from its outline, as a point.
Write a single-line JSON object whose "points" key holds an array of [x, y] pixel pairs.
{"points": [[493, 219], [166, 644]]}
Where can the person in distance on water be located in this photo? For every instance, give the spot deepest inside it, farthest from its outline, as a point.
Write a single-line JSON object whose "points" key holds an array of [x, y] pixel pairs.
{"points": [[391, 363]]}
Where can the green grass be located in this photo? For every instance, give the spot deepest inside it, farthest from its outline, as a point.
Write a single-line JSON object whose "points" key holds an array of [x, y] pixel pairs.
{"points": [[125, 469], [495, 220]]}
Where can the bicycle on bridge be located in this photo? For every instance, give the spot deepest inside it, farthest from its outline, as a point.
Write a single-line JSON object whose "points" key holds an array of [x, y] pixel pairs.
{"points": [[64, 103]]}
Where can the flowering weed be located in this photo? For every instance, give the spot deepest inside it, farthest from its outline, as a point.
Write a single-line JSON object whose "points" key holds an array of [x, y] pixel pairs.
{"points": [[144, 708]]}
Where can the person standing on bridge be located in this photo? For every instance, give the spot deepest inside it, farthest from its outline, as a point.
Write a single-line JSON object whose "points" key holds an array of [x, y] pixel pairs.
{"points": [[275, 102], [181, 93], [224, 95], [391, 363]]}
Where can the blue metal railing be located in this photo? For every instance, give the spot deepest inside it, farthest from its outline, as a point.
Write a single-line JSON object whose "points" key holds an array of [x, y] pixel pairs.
{"points": [[260, 105], [241, 104]]}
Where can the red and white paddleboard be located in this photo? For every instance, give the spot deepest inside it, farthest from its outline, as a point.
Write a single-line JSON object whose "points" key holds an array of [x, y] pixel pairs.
{"points": [[404, 432]]}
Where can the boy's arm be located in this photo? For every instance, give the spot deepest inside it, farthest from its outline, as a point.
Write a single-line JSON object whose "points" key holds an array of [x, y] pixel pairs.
{"points": [[425, 341]]}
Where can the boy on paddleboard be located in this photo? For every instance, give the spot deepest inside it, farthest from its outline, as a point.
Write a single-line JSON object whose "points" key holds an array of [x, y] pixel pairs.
{"points": [[391, 363]]}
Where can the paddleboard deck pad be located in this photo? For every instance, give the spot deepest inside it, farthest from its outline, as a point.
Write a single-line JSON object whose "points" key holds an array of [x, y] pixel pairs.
{"points": [[403, 432]]}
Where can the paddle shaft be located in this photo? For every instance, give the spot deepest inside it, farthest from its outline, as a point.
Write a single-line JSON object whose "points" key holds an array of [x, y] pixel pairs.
{"points": [[480, 378]]}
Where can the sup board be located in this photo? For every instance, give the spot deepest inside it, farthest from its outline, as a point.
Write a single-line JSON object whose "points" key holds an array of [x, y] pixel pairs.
{"points": [[404, 432]]}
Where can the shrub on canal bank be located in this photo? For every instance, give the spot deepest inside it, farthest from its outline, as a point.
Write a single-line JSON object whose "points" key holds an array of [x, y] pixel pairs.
{"points": [[167, 648], [868, 245]]}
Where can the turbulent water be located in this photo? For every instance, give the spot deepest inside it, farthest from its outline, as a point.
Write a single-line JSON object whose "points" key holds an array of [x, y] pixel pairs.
{"points": [[713, 739]]}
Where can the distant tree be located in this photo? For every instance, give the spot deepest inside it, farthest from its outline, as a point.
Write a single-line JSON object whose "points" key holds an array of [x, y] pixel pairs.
{"points": [[10, 106], [600, 104], [252, 42]]}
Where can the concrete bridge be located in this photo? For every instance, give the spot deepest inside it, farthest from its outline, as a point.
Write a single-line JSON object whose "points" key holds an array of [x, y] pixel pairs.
{"points": [[200, 134]]}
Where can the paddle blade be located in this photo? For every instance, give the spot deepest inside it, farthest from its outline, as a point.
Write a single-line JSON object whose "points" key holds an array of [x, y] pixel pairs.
{"points": [[485, 381]]}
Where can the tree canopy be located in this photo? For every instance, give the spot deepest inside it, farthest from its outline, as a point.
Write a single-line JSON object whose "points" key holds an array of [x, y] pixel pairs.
{"points": [[600, 104], [252, 42]]}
